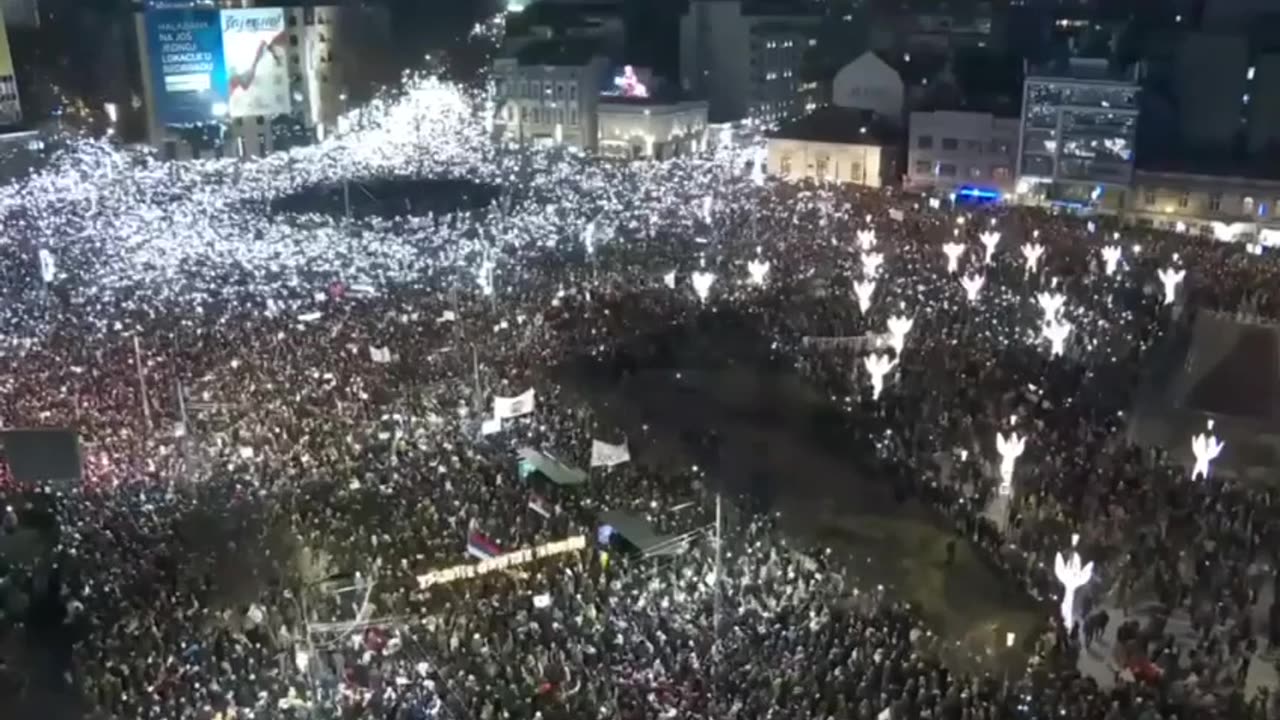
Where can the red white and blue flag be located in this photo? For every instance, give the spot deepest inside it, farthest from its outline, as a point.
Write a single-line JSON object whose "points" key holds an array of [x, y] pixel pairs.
{"points": [[482, 547]]}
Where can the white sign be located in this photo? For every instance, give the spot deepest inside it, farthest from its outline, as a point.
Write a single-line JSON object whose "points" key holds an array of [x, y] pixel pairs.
{"points": [[605, 454], [502, 562], [509, 407]]}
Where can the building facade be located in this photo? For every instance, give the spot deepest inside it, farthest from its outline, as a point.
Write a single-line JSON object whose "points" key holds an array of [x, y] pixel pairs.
{"points": [[1077, 137], [949, 150], [746, 65], [549, 93], [273, 80], [651, 129], [10, 103], [869, 83], [1222, 207], [835, 145]]}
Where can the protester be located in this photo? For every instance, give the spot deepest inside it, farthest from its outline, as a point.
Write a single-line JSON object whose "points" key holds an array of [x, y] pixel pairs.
{"points": [[282, 417]]}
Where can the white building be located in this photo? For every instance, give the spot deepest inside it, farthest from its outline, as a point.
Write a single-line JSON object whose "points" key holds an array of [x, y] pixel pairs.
{"points": [[869, 83], [651, 128], [950, 150], [747, 65], [548, 91], [308, 99], [835, 145]]}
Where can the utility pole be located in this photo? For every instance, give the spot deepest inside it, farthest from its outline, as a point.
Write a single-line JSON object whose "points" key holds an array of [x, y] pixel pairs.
{"points": [[718, 602], [142, 383], [475, 369]]}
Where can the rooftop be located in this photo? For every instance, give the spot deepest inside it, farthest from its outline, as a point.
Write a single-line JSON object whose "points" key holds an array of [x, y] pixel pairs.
{"points": [[1226, 164], [840, 125], [563, 51], [1086, 69]]}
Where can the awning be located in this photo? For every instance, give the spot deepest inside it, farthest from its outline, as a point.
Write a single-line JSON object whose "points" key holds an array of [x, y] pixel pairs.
{"points": [[640, 533], [554, 470]]}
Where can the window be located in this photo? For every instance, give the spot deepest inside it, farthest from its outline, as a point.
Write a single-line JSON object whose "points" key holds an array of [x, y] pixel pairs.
{"points": [[1215, 202], [573, 91], [925, 142], [946, 170], [923, 167], [820, 167], [1000, 173], [784, 165], [1247, 205], [559, 91], [975, 172], [293, 40], [1149, 197], [1184, 200], [973, 146], [998, 147], [950, 143]]}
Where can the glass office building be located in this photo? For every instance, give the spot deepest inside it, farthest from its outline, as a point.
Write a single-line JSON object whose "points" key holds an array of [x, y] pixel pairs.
{"points": [[1078, 132]]}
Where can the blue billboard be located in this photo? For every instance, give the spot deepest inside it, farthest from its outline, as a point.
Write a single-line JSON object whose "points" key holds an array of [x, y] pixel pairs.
{"points": [[188, 72]]}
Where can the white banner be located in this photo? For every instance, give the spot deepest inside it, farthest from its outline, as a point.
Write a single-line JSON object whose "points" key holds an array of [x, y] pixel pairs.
{"points": [[380, 355], [605, 454], [856, 343], [896, 214], [509, 407]]}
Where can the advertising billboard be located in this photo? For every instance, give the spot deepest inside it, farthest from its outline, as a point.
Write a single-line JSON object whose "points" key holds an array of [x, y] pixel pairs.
{"points": [[187, 69], [255, 47]]}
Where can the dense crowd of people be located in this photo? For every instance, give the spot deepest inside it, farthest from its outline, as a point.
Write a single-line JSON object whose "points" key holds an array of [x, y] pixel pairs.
{"points": [[283, 425]]}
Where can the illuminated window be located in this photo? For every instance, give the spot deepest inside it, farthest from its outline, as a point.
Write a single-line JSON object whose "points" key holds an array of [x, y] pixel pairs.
{"points": [[1247, 205], [1215, 202]]}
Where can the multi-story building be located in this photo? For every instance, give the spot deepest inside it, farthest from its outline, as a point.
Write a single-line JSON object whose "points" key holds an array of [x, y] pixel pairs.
{"points": [[549, 91], [651, 126], [1225, 207], [745, 59], [1079, 126], [239, 81], [10, 106], [835, 144], [954, 150]]}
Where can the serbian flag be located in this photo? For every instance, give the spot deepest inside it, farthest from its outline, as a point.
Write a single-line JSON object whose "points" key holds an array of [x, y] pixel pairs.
{"points": [[539, 504], [482, 547]]}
